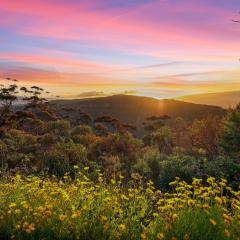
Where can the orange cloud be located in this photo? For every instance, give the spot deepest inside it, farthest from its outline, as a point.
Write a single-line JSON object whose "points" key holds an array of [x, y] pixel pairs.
{"points": [[201, 81]]}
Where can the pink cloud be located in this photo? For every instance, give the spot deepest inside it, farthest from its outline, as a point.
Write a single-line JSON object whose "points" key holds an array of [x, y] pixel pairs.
{"points": [[53, 61], [36, 76], [124, 31]]}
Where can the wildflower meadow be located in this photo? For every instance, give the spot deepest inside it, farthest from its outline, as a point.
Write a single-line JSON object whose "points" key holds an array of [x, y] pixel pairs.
{"points": [[84, 208]]}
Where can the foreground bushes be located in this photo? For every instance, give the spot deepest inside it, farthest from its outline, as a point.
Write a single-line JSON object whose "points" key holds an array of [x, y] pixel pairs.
{"points": [[46, 208]]}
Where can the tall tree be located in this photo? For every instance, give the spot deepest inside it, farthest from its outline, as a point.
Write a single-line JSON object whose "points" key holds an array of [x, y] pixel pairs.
{"points": [[231, 134], [206, 134], [7, 98]]}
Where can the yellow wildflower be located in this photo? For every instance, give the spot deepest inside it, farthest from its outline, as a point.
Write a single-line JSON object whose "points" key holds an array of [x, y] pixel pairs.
{"points": [[30, 228], [106, 226], [213, 222], [227, 217], [218, 200], [104, 218], [18, 227], [62, 217], [186, 237], [160, 236], [122, 227], [227, 234], [17, 211], [12, 205]]}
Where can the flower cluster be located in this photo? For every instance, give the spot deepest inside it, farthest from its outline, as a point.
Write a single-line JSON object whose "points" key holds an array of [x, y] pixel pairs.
{"points": [[49, 208]]}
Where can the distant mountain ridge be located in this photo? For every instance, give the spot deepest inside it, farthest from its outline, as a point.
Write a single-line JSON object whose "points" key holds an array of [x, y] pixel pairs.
{"points": [[222, 99], [135, 110]]}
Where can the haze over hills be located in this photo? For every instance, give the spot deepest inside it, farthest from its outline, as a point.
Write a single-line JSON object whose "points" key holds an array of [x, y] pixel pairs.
{"points": [[135, 110], [222, 99]]}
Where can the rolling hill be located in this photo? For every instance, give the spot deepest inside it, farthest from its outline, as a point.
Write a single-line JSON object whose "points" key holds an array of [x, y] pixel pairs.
{"points": [[224, 99], [135, 110]]}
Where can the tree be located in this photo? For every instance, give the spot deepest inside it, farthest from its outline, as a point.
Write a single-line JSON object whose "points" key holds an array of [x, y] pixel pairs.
{"points": [[231, 133], [115, 125], [63, 157], [3, 153], [37, 104], [85, 119], [206, 134], [148, 165], [182, 133], [154, 123], [34, 108], [7, 99], [164, 139], [81, 130]]}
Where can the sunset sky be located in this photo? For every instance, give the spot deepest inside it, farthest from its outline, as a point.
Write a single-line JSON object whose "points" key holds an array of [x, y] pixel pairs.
{"points": [[158, 48]]}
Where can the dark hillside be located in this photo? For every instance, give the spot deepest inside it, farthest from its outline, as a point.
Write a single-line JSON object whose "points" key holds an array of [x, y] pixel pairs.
{"points": [[135, 110], [222, 99]]}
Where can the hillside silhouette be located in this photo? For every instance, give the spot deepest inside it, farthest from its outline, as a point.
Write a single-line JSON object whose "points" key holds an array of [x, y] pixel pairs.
{"points": [[135, 110], [222, 99]]}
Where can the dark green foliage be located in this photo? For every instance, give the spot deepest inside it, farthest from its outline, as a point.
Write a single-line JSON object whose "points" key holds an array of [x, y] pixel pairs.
{"points": [[206, 134], [164, 139], [63, 157], [35, 138], [185, 167], [225, 167], [231, 136], [58, 128], [81, 130]]}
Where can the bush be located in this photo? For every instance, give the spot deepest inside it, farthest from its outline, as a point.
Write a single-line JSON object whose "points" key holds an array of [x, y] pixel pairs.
{"points": [[231, 134], [63, 157], [81, 130]]}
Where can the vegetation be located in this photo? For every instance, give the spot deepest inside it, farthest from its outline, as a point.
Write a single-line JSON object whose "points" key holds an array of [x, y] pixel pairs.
{"points": [[41, 208], [65, 177]]}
